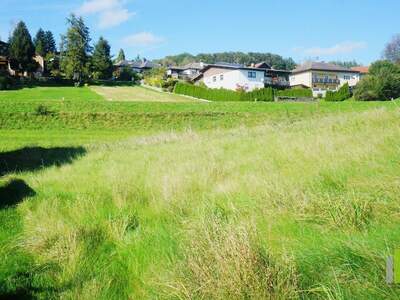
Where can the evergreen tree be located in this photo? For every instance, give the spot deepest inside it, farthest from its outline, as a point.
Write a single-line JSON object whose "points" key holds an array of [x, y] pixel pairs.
{"points": [[50, 43], [121, 56], [21, 49], [101, 60], [40, 43], [75, 49]]}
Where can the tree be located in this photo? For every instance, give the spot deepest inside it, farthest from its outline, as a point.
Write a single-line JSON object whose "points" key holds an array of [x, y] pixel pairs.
{"points": [[40, 43], [346, 64], [75, 49], [382, 83], [392, 49], [21, 49], [121, 56], [50, 44], [101, 60]]}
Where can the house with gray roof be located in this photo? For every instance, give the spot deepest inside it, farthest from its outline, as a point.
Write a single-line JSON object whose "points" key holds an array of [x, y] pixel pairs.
{"points": [[322, 77]]}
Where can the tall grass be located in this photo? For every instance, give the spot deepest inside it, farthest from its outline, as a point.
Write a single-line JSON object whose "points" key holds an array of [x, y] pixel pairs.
{"points": [[301, 209]]}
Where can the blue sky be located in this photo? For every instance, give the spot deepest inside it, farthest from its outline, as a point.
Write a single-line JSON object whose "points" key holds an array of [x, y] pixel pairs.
{"points": [[301, 29]]}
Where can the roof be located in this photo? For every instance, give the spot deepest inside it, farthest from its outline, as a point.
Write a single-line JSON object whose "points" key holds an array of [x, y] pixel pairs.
{"points": [[194, 65], [321, 66], [263, 65], [361, 69], [230, 66], [143, 64], [136, 64], [3, 48]]}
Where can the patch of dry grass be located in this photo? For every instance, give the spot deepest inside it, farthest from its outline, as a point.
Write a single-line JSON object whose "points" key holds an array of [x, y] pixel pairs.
{"points": [[137, 94]]}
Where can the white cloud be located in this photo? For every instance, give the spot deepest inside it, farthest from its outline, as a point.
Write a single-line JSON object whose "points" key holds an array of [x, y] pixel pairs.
{"points": [[114, 17], [110, 12], [142, 39], [341, 48]]}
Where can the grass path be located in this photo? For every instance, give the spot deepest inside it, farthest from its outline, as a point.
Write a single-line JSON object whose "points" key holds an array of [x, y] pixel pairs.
{"points": [[138, 94]]}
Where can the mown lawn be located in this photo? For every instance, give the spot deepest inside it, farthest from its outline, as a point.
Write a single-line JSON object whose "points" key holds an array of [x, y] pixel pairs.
{"points": [[121, 200], [138, 94]]}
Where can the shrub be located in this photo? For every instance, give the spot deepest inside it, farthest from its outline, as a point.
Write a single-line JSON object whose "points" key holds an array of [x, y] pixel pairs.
{"points": [[42, 110], [383, 83], [342, 94], [5, 81], [169, 84]]}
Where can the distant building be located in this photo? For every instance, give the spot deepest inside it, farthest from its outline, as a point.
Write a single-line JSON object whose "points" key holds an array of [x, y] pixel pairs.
{"points": [[236, 76], [3, 56], [136, 66], [322, 77], [187, 72], [363, 71]]}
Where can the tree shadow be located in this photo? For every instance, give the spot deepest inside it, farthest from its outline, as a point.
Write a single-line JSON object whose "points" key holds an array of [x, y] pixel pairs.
{"points": [[14, 192], [36, 158]]}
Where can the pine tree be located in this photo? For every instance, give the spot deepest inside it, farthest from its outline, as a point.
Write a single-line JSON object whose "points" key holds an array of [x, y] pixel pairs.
{"points": [[121, 56], [76, 49], [21, 49], [101, 60], [50, 44], [40, 43]]}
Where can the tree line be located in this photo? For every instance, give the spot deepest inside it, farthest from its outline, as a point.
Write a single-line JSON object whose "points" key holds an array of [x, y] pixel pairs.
{"points": [[276, 61], [75, 59]]}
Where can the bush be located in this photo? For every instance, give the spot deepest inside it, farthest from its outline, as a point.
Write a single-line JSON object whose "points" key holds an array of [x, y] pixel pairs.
{"points": [[342, 94], [42, 110], [5, 81], [383, 83], [169, 84]]}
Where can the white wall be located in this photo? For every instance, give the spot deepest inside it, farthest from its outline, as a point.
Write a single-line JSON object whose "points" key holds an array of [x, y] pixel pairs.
{"points": [[233, 79], [354, 78], [301, 78]]}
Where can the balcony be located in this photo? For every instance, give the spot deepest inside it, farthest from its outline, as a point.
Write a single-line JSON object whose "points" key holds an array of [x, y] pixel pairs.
{"points": [[276, 82], [325, 81]]}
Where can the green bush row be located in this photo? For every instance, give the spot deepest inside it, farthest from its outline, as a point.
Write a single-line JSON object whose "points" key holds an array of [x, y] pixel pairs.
{"points": [[266, 94], [342, 94]]}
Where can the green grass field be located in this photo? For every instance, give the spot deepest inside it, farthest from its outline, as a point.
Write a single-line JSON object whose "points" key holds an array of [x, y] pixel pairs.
{"points": [[145, 200]]}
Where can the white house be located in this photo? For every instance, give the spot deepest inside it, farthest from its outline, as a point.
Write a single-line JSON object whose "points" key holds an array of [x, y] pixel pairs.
{"points": [[232, 77], [322, 77]]}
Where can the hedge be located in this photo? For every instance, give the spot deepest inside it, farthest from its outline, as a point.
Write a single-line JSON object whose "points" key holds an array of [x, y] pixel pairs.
{"points": [[265, 94], [296, 93], [342, 94]]}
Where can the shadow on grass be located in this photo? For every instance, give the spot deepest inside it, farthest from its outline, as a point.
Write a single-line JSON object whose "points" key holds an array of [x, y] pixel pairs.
{"points": [[14, 192], [20, 281], [36, 158]]}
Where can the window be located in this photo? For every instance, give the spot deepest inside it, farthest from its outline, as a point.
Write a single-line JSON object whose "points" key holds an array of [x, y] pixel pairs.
{"points": [[221, 77], [252, 74], [214, 78], [346, 77]]}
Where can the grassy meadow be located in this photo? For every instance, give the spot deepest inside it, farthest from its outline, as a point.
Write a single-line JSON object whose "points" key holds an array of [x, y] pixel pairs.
{"points": [[192, 200]]}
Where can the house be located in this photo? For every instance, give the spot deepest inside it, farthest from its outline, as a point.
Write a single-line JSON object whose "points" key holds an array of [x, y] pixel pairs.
{"points": [[322, 77], [187, 72], [136, 66], [236, 76], [3, 56], [363, 71], [231, 77]]}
